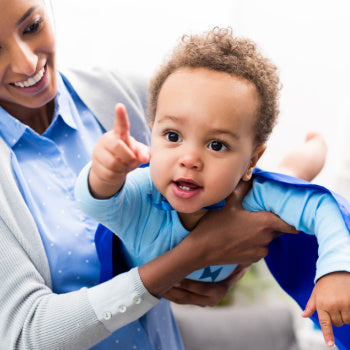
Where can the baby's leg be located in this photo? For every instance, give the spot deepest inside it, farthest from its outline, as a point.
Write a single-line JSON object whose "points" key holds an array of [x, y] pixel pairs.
{"points": [[307, 160]]}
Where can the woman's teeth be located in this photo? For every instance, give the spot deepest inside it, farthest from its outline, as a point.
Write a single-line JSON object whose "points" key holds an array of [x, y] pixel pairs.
{"points": [[33, 80]]}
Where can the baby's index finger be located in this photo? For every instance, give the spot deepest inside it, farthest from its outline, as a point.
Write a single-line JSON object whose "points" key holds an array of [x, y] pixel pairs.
{"points": [[326, 326], [121, 123]]}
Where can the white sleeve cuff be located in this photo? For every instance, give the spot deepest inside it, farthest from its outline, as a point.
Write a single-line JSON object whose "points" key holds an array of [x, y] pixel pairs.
{"points": [[121, 300]]}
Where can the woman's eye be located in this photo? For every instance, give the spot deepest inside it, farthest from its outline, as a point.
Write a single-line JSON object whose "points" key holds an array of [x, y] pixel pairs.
{"points": [[32, 28], [217, 146], [172, 137]]}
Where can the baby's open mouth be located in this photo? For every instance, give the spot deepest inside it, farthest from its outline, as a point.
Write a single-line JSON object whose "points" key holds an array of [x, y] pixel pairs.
{"points": [[186, 185]]}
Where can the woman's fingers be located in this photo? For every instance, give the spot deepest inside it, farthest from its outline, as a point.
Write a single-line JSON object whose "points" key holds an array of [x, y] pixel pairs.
{"points": [[204, 293]]}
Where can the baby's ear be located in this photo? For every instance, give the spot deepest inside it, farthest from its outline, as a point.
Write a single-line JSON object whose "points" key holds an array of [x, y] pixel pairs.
{"points": [[258, 152]]}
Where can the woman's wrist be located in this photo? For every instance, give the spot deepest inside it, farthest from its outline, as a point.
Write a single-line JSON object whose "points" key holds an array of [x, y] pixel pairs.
{"points": [[163, 272]]}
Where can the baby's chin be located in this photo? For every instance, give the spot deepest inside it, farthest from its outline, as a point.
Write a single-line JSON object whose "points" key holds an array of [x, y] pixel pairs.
{"points": [[190, 218], [189, 209]]}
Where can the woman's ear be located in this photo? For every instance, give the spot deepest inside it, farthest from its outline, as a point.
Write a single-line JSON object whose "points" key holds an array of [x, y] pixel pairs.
{"points": [[258, 152]]}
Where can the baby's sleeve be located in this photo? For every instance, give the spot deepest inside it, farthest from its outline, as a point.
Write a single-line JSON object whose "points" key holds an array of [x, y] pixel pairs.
{"points": [[311, 211], [253, 200], [116, 212]]}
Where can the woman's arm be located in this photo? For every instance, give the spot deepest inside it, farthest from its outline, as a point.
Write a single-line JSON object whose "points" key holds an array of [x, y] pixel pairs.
{"points": [[32, 314], [34, 317], [242, 238], [203, 293]]}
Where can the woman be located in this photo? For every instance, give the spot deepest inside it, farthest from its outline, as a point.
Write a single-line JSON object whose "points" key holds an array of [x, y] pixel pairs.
{"points": [[50, 292]]}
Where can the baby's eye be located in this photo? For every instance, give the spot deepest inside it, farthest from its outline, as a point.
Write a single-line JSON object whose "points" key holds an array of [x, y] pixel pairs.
{"points": [[172, 136], [217, 146]]}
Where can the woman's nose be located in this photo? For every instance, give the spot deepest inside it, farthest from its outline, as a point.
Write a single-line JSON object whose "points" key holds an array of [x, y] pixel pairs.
{"points": [[23, 59]]}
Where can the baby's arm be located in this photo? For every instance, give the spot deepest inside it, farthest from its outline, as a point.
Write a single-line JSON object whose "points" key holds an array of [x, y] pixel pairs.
{"points": [[314, 212], [311, 211], [116, 154]]}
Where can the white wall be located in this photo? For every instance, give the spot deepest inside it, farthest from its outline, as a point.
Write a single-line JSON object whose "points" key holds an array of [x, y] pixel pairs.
{"points": [[308, 40]]}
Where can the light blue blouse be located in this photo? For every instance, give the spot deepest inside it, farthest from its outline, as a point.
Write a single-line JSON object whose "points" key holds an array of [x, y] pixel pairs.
{"points": [[46, 167]]}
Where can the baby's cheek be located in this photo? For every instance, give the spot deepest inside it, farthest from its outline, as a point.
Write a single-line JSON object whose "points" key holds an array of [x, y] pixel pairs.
{"points": [[158, 174], [223, 187], [232, 184]]}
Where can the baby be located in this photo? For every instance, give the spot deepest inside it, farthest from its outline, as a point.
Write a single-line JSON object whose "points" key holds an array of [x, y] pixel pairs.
{"points": [[212, 107]]}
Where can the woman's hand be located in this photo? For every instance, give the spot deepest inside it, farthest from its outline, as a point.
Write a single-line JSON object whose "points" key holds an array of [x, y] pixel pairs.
{"points": [[227, 236], [233, 235], [203, 293]]}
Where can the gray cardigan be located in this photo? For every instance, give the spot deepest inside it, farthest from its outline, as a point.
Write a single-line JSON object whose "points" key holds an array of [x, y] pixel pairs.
{"points": [[31, 316]]}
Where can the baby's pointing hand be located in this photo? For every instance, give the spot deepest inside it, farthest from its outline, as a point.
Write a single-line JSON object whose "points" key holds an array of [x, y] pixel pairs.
{"points": [[116, 154], [127, 150], [331, 298]]}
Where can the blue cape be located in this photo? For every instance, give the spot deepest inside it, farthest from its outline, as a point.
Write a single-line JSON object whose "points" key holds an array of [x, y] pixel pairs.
{"points": [[291, 259]]}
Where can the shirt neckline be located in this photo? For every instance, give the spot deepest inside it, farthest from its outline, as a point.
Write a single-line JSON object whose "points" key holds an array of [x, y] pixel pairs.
{"points": [[12, 130]]}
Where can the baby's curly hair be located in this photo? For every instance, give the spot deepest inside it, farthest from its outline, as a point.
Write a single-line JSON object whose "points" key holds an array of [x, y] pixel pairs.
{"points": [[219, 50]]}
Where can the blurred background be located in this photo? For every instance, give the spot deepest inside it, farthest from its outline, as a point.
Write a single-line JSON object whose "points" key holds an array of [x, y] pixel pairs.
{"points": [[307, 40]]}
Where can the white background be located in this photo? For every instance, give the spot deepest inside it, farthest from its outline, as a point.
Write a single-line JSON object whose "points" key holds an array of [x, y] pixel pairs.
{"points": [[307, 40]]}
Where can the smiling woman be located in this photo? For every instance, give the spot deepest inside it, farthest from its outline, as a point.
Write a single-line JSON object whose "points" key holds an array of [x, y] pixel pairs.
{"points": [[27, 64]]}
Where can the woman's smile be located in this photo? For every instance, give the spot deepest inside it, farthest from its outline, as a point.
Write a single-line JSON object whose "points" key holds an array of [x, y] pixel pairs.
{"points": [[28, 82], [32, 80]]}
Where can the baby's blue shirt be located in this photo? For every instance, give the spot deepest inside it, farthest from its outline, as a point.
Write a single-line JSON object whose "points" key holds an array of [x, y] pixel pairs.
{"points": [[148, 231], [311, 211], [145, 230]]}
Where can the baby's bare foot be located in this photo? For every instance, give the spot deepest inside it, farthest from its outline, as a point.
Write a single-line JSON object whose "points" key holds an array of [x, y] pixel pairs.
{"points": [[307, 160]]}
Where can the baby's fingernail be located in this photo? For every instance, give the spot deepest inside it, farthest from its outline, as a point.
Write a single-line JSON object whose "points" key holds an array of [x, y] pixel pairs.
{"points": [[330, 343]]}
